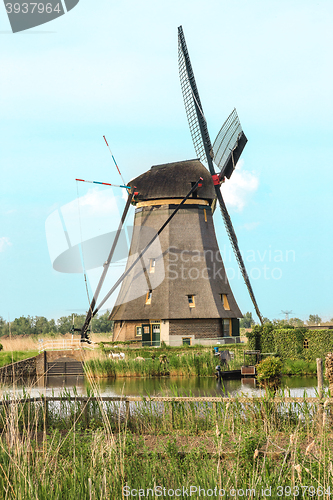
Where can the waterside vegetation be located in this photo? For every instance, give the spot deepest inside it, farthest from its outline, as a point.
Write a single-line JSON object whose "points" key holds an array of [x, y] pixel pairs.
{"points": [[94, 449], [145, 362]]}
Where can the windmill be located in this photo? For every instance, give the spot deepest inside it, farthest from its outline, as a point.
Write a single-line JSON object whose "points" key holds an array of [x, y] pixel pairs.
{"points": [[174, 287], [225, 152]]}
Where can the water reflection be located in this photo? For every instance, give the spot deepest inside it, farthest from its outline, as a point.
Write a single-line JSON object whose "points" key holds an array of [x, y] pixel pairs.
{"points": [[193, 386]]}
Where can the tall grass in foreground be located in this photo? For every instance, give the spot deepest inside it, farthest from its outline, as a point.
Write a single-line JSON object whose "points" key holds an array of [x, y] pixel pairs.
{"points": [[79, 451]]}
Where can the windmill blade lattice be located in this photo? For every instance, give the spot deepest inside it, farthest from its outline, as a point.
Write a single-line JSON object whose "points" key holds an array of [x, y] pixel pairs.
{"points": [[198, 128], [227, 142]]}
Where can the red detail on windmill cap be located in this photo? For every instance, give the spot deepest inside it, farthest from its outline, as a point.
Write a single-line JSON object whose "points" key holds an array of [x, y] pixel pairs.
{"points": [[216, 180]]}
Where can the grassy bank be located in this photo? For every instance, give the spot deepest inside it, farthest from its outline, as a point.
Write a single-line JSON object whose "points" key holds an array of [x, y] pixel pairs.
{"points": [[6, 358], [235, 445], [299, 367], [143, 362], [197, 361]]}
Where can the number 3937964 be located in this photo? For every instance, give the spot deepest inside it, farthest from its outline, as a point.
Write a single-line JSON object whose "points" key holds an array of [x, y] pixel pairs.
{"points": [[32, 8]]}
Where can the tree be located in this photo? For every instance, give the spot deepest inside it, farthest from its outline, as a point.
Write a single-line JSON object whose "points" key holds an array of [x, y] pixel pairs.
{"points": [[3, 327], [314, 319], [247, 321], [101, 324], [41, 325], [296, 322], [64, 324], [22, 326], [266, 320]]}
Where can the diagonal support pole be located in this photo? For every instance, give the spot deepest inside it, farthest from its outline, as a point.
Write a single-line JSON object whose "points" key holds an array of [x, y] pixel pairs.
{"points": [[106, 265], [123, 276]]}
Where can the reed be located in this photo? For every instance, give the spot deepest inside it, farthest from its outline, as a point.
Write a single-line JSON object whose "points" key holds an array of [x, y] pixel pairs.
{"points": [[200, 363], [93, 450]]}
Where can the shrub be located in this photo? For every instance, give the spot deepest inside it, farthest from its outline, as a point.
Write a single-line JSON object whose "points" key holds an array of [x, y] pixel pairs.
{"points": [[1, 347], [269, 370]]}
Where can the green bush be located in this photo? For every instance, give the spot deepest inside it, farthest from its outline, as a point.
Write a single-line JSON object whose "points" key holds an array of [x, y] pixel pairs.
{"points": [[269, 370]]}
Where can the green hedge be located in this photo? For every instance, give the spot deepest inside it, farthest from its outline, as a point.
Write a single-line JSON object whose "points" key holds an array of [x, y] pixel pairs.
{"points": [[289, 343]]}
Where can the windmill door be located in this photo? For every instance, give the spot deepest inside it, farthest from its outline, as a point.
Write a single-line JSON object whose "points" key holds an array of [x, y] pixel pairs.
{"points": [[146, 337], [155, 334]]}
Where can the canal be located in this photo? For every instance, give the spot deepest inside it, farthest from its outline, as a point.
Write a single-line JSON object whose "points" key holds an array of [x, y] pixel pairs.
{"points": [[166, 386]]}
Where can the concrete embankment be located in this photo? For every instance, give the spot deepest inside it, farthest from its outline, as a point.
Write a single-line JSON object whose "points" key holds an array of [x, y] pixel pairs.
{"points": [[68, 362]]}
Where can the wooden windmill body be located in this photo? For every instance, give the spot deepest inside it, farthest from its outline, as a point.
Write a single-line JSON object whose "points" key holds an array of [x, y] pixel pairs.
{"points": [[192, 302]]}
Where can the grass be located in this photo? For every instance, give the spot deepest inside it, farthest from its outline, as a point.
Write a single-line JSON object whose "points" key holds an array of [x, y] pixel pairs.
{"points": [[98, 452], [186, 362], [6, 358], [299, 367]]}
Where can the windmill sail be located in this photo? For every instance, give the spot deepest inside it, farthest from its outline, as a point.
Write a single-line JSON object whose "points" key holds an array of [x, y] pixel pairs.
{"points": [[228, 145], [229, 135], [195, 116]]}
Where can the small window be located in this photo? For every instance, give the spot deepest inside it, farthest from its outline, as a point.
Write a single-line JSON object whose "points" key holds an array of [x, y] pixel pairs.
{"points": [[225, 302], [306, 344], [191, 302], [156, 328], [139, 331], [187, 341], [148, 297], [152, 265]]}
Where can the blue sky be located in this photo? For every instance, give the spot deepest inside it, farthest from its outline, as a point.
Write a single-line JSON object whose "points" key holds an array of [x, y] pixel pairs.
{"points": [[112, 70]]}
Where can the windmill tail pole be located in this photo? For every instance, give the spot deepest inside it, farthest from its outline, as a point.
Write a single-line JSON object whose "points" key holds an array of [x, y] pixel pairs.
{"points": [[84, 336], [123, 276]]}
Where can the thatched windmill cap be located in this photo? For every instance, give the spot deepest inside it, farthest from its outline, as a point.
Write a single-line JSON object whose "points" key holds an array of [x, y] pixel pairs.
{"points": [[174, 180]]}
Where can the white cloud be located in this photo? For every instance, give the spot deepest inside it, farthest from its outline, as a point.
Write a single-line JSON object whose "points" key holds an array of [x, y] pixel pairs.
{"points": [[4, 242], [238, 190]]}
